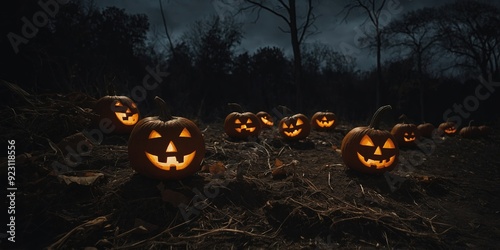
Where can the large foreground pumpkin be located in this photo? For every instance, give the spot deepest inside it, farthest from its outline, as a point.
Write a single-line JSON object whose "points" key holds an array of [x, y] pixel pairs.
{"points": [[166, 147], [369, 149]]}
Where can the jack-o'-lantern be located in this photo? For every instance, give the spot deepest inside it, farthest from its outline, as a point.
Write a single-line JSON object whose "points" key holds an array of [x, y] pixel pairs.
{"points": [[166, 147], [406, 134], [369, 149], [324, 121], [447, 128], [426, 129], [295, 127], [266, 120], [241, 125], [120, 110], [470, 131]]}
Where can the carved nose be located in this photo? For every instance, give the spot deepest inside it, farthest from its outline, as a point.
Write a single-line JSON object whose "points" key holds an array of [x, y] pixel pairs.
{"points": [[171, 147], [378, 151]]}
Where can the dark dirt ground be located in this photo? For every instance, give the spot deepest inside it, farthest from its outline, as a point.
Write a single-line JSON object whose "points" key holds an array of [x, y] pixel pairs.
{"points": [[443, 196]]}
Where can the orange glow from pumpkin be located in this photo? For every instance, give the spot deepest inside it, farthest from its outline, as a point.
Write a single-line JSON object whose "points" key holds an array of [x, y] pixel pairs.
{"points": [[324, 123], [171, 161], [244, 127], [266, 121], [409, 137], [295, 131], [368, 162], [127, 118]]}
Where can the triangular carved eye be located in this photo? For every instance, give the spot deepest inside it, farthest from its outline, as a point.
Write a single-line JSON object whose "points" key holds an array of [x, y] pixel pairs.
{"points": [[389, 144], [366, 141], [185, 133], [237, 121], [154, 134], [118, 104], [285, 126], [249, 121], [299, 122]]}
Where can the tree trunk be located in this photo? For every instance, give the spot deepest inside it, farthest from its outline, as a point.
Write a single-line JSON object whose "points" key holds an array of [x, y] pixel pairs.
{"points": [[297, 59]]}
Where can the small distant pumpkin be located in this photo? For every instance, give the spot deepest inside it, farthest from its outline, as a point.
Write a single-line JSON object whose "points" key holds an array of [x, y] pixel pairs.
{"points": [[323, 121], [447, 128], [406, 134], [485, 130], [426, 129], [166, 147], [241, 125], [294, 127], [470, 131], [369, 149], [266, 120], [120, 110]]}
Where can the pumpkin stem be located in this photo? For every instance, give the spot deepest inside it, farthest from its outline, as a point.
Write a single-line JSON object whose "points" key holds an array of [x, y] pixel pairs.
{"points": [[470, 122], [403, 118], [235, 106], [286, 111], [164, 111], [111, 89], [375, 122]]}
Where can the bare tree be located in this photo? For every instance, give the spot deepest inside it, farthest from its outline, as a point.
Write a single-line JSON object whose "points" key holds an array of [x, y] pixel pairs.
{"points": [[373, 9], [287, 11], [470, 32], [416, 34]]}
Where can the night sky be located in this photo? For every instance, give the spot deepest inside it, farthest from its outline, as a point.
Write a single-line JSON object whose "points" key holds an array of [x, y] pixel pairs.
{"points": [[331, 29]]}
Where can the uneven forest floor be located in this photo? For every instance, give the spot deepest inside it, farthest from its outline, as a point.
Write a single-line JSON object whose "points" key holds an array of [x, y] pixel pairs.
{"points": [[443, 195]]}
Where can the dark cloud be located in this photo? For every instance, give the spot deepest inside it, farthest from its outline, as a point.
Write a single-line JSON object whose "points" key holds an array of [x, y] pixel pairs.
{"points": [[181, 14]]}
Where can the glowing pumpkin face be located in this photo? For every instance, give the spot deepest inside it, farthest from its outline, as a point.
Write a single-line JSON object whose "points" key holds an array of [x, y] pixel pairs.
{"points": [[242, 125], [120, 110], [294, 127], [323, 121], [376, 156], [166, 147], [266, 120], [369, 149], [405, 134], [448, 128], [124, 114]]}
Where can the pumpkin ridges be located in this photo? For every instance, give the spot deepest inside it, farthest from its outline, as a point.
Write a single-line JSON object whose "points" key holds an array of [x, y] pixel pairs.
{"points": [[139, 147], [351, 147]]}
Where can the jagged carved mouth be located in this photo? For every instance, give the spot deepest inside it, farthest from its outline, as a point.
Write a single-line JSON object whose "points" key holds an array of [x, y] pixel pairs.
{"points": [[127, 118], [171, 162], [383, 163], [293, 133], [245, 128]]}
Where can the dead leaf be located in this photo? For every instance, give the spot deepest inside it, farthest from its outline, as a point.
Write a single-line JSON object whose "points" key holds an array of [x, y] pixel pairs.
{"points": [[80, 178], [279, 173], [217, 168], [173, 197], [278, 163]]}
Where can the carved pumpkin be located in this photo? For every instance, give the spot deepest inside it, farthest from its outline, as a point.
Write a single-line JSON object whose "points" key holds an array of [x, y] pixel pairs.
{"points": [[294, 127], [405, 133], [470, 131], [120, 110], [324, 121], [241, 125], [447, 128], [369, 149], [166, 147], [426, 129], [266, 120]]}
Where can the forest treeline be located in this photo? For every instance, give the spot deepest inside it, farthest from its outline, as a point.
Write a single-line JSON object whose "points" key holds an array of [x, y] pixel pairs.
{"points": [[433, 60]]}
